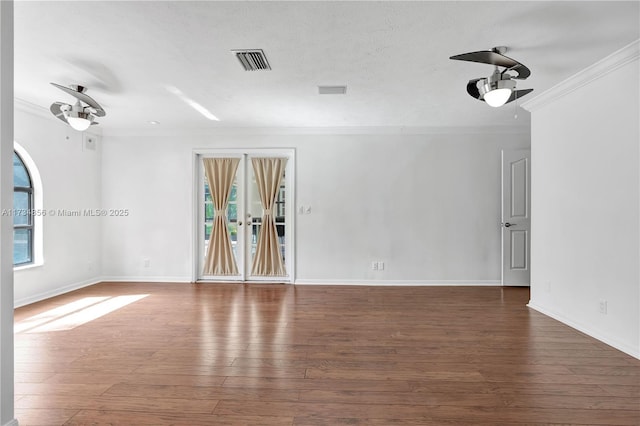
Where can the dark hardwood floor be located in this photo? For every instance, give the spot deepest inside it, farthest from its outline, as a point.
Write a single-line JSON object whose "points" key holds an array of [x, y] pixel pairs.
{"points": [[207, 354]]}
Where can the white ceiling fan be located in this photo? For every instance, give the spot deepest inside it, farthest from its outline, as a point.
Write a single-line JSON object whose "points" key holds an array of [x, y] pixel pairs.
{"points": [[80, 115]]}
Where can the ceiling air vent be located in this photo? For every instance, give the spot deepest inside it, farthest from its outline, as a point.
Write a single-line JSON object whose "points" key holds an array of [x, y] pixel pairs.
{"points": [[332, 90], [252, 59]]}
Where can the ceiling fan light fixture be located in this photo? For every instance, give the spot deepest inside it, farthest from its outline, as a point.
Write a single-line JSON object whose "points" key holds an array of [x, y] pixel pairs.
{"points": [[499, 88], [497, 97], [497, 93], [78, 123], [77, 118]]}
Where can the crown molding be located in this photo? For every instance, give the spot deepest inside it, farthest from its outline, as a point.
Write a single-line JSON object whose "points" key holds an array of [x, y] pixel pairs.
{"points": [[355, 130], [621, 57], [524, 128], [40, 111], [28, 107]]}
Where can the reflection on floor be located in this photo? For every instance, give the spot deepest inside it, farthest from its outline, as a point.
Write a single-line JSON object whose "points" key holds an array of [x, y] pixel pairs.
{"points": [[218, 354]]}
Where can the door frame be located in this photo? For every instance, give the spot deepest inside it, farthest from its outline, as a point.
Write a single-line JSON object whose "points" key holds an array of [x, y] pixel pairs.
{"points": [[196, 156]]}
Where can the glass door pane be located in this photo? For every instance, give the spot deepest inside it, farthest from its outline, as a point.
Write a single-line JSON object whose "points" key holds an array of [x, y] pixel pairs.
{"points": [[254, 216], [280, 212]]}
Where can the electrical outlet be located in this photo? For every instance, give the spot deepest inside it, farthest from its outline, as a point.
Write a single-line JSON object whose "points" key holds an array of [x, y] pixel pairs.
{"points": [[301, 210], [547, 286], [603, 307], [377, 265], [146, 262]]}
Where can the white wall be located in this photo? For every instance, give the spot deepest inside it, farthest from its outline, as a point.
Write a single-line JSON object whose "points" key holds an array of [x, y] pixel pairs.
{"points": [[427, 205], [71, 180], [585, 201]]}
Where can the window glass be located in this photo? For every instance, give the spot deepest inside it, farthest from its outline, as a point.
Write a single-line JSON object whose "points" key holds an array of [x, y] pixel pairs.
{"points": [[22, 246], [22, 207], [20, 174]]}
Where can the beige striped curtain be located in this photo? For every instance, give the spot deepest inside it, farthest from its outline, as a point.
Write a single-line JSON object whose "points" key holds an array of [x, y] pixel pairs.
{"points": [[268, 260], [220, 174]]}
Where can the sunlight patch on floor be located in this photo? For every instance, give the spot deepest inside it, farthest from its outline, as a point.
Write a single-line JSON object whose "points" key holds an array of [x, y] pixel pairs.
{"points": [[75, 313]]}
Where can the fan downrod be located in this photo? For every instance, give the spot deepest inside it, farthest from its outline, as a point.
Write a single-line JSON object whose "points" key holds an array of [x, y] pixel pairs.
{"points": [[500, 49]]}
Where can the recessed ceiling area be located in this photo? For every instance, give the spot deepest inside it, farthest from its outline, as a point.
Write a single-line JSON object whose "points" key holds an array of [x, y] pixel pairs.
{"points": [[394, 56]]}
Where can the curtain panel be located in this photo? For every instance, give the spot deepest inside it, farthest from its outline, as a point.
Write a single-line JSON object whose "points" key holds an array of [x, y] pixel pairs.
{"points": [[267, 261], [220, 173]]}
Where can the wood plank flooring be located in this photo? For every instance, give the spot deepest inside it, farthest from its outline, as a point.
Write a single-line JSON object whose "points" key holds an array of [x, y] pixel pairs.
{"points": [[224, 354]]}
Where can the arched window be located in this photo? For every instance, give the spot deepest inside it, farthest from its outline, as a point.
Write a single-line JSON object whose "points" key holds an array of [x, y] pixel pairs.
{"points": [[22, 213]]}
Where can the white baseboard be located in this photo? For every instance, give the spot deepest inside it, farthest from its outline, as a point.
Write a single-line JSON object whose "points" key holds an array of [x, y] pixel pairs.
{"points": [[400, 282], [151, 279], [621, 346], [13, 422], [187, 279], [56, 292]]}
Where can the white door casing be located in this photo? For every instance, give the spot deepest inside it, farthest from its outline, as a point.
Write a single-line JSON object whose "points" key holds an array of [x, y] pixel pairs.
{"points": [[516, 217]]}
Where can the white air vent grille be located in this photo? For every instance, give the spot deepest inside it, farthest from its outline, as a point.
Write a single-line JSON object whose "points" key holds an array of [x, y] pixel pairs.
{"points": [[252, 59], [332, 90]]}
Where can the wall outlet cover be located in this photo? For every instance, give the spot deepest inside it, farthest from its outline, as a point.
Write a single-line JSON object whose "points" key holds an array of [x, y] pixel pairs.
{"points": [[603, 307]]}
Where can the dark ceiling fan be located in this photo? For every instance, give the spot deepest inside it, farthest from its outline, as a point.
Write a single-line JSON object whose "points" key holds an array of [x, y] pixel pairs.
{"points": [[499, 88], [81, 115]]}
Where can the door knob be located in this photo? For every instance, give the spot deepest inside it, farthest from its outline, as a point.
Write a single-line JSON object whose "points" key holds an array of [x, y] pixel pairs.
{"points": [[240, 223], [507, 225]]}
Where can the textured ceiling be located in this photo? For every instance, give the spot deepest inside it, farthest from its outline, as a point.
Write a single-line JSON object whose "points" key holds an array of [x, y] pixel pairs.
{"points": [[138, 57]]}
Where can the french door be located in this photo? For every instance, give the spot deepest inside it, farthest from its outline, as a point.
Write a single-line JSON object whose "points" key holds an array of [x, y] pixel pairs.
{"points": [[245, 216]]}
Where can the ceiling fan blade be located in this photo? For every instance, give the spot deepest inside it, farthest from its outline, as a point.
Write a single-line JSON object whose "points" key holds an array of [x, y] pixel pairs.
{"points": [[517, 94], [82, 97], [486, 57], [523, 72], [56, 109], [472, 88], [97, 112], [494, 58]]}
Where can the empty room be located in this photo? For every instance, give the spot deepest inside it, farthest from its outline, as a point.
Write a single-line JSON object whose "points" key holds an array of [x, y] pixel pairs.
{"points": [[319, 213]]}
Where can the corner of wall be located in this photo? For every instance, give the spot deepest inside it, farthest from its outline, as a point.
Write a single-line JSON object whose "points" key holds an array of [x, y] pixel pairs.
{"points": [[586, 201], [71, 250]]}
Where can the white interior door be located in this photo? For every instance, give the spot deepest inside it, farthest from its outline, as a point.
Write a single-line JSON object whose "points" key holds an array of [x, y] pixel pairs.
{"points": [[244, 215], [516, 217]]}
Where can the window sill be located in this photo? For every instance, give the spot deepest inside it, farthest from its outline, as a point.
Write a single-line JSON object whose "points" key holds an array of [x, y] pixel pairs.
{"points": [[27, 266]]}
